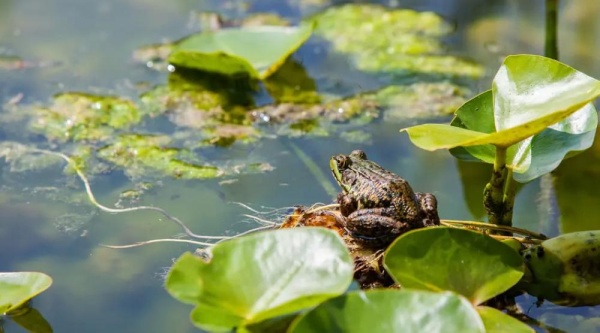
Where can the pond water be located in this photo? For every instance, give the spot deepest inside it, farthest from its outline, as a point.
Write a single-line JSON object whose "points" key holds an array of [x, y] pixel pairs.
{"points": [[47, 224]]}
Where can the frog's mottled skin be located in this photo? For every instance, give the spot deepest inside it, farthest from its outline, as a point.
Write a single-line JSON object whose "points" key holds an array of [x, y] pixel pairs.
{"points": [[379, 205]]}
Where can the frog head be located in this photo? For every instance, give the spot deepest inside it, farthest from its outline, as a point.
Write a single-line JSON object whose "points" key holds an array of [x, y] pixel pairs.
{"points": [[344, 168]]}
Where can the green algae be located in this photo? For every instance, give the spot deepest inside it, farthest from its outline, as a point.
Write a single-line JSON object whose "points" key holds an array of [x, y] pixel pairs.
{"points": [[421, 100], [143, 155], [397, 42], [77, 116]]}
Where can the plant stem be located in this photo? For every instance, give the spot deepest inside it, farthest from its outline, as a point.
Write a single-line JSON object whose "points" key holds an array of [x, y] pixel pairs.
{"points": [[493, 227], [508, 198], [551, 43], [493, 195]]}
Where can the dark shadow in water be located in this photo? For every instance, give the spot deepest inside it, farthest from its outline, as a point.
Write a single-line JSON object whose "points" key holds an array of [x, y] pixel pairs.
{"points": [[474, 177], [29, 319], [576, 184]]}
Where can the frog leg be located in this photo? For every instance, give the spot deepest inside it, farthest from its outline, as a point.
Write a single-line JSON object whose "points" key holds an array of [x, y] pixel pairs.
{"points": [[429, 208], [347, 203], [375, 223]]}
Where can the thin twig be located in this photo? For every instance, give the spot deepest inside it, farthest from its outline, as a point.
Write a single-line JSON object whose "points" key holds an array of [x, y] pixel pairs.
{"points": [[92, 198], [160, 240], [497, 227], [260, 220]]}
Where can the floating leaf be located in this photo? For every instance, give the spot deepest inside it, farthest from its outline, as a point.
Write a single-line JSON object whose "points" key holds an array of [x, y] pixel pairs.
{"points": [[469, 263], [261, 276], [256, 51], [564, 269], [496, 321], [16, 288], [391, 311]]}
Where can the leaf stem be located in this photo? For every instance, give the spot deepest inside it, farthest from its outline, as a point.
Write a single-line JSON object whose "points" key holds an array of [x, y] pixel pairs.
{"points": [[551, 42], [493, 227], [508, 198], [493, 194]]}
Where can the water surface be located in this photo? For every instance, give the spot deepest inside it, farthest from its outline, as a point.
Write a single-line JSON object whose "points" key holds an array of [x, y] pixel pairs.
{"points": [[47, 225]]}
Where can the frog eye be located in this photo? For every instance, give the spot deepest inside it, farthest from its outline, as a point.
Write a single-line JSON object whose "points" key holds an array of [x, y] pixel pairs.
{"points": [[359, 154], [342, 161]]}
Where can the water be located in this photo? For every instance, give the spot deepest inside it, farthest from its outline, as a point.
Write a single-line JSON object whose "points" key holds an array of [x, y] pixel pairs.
{"points": [[47, 225]]}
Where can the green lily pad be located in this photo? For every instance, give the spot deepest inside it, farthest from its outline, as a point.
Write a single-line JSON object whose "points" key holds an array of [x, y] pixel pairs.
{"points": [[77, 116], [16, 288], [496, 321], [533, 156], [399, 41], [261, 276], [530, 95], [469, 263], [257, 51], [391, 311]]}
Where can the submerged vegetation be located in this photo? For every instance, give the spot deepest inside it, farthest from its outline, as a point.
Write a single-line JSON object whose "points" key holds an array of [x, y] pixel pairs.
{"points": [[221, 91]]}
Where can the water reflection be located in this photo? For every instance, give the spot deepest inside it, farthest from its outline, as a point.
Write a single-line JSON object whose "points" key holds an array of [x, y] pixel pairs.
{"points": [[29, 319]]}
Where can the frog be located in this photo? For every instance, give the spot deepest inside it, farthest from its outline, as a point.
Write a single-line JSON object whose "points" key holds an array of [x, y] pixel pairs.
{"points": [[377, 204]]}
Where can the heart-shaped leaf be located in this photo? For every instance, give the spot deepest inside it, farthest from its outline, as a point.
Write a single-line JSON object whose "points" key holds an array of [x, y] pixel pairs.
{"points": [[496, 321], [256, 51], [469, 263], [533, 156], [16, 288], [391, 311], [261, 276], [530, 93]]}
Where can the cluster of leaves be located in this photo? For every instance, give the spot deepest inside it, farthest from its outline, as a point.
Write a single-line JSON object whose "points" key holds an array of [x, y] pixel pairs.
{"points": [[538, 109], [297, 280]]}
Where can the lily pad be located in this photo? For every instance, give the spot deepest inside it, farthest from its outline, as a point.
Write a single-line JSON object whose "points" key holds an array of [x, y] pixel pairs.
{"points": [[16, 288], [531, 95], [399, 41], [496, 321], [260, 276], [257, 51], [469, 263], [391, 311]]}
